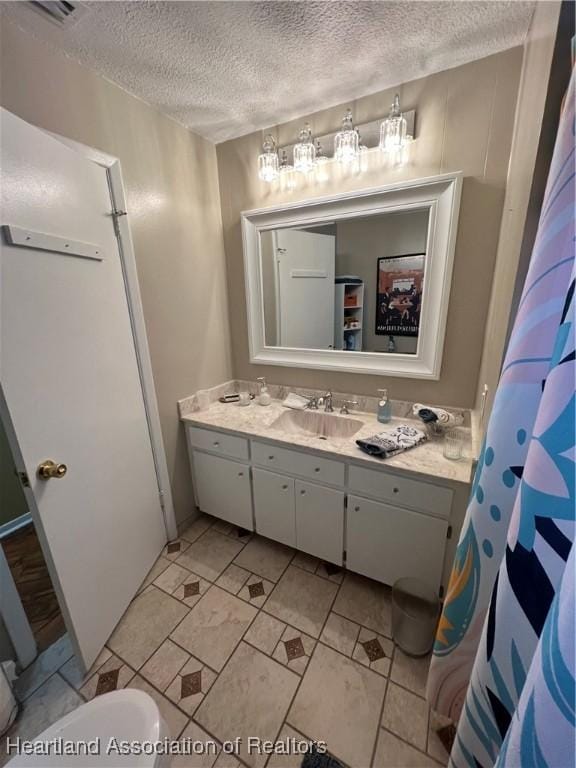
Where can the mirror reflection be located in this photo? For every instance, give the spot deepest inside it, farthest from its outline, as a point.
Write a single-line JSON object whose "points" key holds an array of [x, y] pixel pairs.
{"points": [[354, 284]]}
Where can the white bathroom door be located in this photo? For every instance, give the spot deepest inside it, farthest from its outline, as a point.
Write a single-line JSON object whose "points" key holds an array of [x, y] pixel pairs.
{"points": [[305, 274], [70, 383]]}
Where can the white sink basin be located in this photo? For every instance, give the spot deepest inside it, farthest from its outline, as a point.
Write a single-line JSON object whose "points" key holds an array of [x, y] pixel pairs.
{"points": [[313, 423]]}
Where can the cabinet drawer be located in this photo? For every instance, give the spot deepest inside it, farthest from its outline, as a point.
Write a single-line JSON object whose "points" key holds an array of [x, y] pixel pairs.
{"points": [[218, 442], [386, 543], [296, 463], [400, 490]]}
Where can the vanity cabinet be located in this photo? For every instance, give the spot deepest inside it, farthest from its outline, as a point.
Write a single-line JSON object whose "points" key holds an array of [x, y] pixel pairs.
{"points": [[307, 516], [320, 521], [386, 542], [382, 523], [274, 506], [223, 489]]}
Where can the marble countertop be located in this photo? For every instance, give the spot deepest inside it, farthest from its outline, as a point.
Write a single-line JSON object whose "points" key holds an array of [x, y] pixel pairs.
{"points": [[255, 421]]}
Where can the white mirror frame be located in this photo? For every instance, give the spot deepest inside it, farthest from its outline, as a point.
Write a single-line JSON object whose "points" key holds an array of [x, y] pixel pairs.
{"points": [[441, 196]]}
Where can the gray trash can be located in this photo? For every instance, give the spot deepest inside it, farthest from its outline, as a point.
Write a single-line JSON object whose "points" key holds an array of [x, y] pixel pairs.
{"points": [[415, 612]]}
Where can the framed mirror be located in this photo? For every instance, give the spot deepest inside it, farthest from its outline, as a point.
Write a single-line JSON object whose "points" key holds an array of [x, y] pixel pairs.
{"points": [[356, 282]]}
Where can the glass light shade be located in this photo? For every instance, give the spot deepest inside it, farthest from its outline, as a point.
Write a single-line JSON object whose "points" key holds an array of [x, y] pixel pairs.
{"points": [[393, 129], [322, 164], [287, 174], [362, 160], [304, 151], [268, 160], [346, 141], [401, 156]]}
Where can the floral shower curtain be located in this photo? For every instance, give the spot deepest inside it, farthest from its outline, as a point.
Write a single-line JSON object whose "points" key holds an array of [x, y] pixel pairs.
{"points": [[503, 663]]}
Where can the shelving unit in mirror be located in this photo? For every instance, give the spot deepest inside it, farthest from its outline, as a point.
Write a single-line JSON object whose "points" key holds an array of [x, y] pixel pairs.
{"points": [[348, 315]]}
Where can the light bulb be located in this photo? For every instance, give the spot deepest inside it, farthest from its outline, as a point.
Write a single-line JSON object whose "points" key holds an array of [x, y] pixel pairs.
{"points": [[304, 151], [322, 164], [362, 162], [287, 175], [393, 129], [346, 141], [268, 160]]}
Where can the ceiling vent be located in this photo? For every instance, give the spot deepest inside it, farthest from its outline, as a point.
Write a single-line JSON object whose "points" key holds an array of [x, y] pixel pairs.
{"points": [[59, 12]]}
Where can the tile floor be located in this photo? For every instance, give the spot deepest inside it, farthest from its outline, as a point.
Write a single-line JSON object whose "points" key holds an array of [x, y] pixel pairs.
{"points": [[235, 635]]}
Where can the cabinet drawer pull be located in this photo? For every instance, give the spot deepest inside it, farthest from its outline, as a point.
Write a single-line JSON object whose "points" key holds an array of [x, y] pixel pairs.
{"points": [[271, 458], [302, 492], [284, 487], [216, 443], [316, 469], [356, 509], [240, 474], [395, 490]]}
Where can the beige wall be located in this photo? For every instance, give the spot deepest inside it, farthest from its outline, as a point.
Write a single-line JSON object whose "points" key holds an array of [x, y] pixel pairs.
{"points": [[174, 207], [533, 92], [464, 122]]}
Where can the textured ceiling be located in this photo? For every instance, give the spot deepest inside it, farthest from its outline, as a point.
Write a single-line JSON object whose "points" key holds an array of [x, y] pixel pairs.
{"points": [[225, 69]]}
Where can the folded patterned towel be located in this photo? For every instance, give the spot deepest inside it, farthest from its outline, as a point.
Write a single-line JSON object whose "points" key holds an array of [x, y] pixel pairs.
{"points": [[392, 441]]}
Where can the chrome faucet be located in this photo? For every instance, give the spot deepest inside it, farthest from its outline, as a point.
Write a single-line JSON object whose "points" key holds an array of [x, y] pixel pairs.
{"points": [[327, 400], [344, 410]]}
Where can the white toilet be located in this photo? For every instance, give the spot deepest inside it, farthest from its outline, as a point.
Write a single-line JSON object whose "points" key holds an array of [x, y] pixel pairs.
{"points": [[127, 715]]}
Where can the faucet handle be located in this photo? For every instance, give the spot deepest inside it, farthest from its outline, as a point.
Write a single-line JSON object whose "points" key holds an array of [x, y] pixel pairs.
{"points": [[312, 404], [344, 407]]}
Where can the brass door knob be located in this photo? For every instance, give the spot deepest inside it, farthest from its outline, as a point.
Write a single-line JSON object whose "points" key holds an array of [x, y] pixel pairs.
{"points": [[49, 469]]}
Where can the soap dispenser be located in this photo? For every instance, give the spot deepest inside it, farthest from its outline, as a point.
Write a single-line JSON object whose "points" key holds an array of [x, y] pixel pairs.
{"points": [[384, 407], [264, 397]]}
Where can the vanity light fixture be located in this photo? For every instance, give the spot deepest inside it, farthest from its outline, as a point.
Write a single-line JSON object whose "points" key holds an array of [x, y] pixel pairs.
{"points": [[268, 166], [287, 175], [393, 129], [304, 151], [384, 142], [346, 141]]}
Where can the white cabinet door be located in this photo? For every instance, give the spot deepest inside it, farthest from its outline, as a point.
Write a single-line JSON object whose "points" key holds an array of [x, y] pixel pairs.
{"points": [[386, 542], [223, 489], [320, 521], [274, 506]]}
